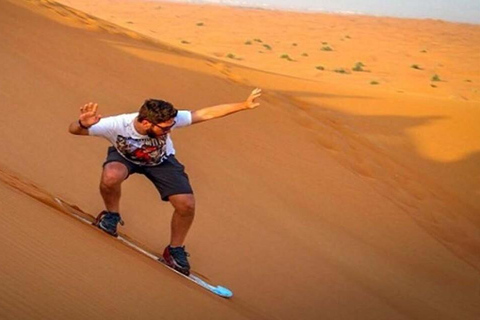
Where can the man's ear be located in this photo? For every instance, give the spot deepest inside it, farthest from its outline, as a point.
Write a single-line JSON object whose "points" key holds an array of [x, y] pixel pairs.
{"points": [[145, 123]]}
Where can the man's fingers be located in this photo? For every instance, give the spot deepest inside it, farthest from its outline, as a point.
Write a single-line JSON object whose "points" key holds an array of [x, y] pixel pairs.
{"points": [[84, 108], [256, 93], [89, 107], [252, 98], [86, 115]]}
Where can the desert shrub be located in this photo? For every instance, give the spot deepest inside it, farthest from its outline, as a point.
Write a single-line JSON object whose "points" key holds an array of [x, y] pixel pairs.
{"points": [[286, 56], [358, 67], [340, 70]]}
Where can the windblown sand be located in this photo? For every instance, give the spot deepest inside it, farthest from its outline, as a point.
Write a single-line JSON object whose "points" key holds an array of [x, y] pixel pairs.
{"points": [[335, 199]]}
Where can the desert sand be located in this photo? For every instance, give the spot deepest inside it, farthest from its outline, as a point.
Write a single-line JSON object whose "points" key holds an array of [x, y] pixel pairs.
{"points": [[337, 198]]}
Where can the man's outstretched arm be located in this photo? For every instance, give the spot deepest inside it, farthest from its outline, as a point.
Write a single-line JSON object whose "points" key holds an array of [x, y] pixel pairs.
{"points": [[222, 110]]}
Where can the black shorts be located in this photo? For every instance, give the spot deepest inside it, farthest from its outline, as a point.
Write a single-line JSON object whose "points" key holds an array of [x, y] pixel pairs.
{"points": [[169, 177]]}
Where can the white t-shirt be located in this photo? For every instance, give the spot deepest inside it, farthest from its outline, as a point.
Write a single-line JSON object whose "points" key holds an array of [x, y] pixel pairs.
{"points": [[138, 148]]}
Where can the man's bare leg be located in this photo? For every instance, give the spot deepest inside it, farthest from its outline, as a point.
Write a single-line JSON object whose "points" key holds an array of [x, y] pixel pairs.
{"points": [[114, 173], [182, 218]]}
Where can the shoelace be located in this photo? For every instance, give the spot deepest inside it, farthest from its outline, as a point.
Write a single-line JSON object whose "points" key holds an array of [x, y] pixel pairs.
{"points": [[111, 218], [121, 222], [180, 254]]}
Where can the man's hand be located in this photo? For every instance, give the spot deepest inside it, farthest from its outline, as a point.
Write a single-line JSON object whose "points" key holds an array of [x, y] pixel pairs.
{"points": [[250, 103], [88, 114]]}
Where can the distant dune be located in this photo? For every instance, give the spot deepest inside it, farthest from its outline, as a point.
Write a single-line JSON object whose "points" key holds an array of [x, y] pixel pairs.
{"points": [[347, 194]]}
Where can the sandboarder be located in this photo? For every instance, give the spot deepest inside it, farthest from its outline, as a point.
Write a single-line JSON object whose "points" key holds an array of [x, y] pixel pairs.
{"points": [[141, 144]]}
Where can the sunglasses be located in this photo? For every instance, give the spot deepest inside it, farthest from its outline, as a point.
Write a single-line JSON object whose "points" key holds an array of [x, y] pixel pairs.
{"points": [[164, 129]]}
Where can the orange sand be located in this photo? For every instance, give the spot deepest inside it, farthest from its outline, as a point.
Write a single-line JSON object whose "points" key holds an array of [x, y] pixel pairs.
{"points": [[335, 199]]}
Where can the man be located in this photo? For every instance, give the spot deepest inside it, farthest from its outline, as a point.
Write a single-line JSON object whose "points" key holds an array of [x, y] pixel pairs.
{"points": [[142, 144]]}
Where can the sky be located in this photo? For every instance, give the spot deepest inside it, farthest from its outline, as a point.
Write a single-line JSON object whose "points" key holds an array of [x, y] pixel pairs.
{"points": [[450, 10]]}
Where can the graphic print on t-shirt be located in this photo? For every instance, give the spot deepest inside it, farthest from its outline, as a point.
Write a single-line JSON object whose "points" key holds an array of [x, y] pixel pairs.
{"points": [[148, 151]]}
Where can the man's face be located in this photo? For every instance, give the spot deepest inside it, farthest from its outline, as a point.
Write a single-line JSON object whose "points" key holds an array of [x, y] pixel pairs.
{"points": [[160, 129]]}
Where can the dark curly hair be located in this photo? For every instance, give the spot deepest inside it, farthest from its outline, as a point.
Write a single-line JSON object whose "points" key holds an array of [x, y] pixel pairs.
{"points": [[156, 111]]}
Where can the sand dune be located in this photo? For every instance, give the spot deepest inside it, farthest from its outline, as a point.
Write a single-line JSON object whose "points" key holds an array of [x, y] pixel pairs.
{"points": [[332, 200]]}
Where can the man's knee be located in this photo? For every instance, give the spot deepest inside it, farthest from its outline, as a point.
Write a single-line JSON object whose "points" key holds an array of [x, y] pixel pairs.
{"points": [[113, 174], [183, 204]]}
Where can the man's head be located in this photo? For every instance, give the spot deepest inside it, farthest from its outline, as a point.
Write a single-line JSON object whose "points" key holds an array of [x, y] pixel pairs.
{"points": [[157, 117]]}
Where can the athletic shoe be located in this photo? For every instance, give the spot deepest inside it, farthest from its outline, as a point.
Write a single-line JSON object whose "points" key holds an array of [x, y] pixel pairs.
{"points": [[176, 258], [107, 221]]}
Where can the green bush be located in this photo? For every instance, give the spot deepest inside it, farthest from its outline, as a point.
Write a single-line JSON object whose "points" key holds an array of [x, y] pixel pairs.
{"points": [[358, 67], [436, 78], [341, 70], [326, 48]]}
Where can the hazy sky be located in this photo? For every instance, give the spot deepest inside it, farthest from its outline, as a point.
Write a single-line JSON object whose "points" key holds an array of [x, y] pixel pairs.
{"points": [[452, 10]]}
